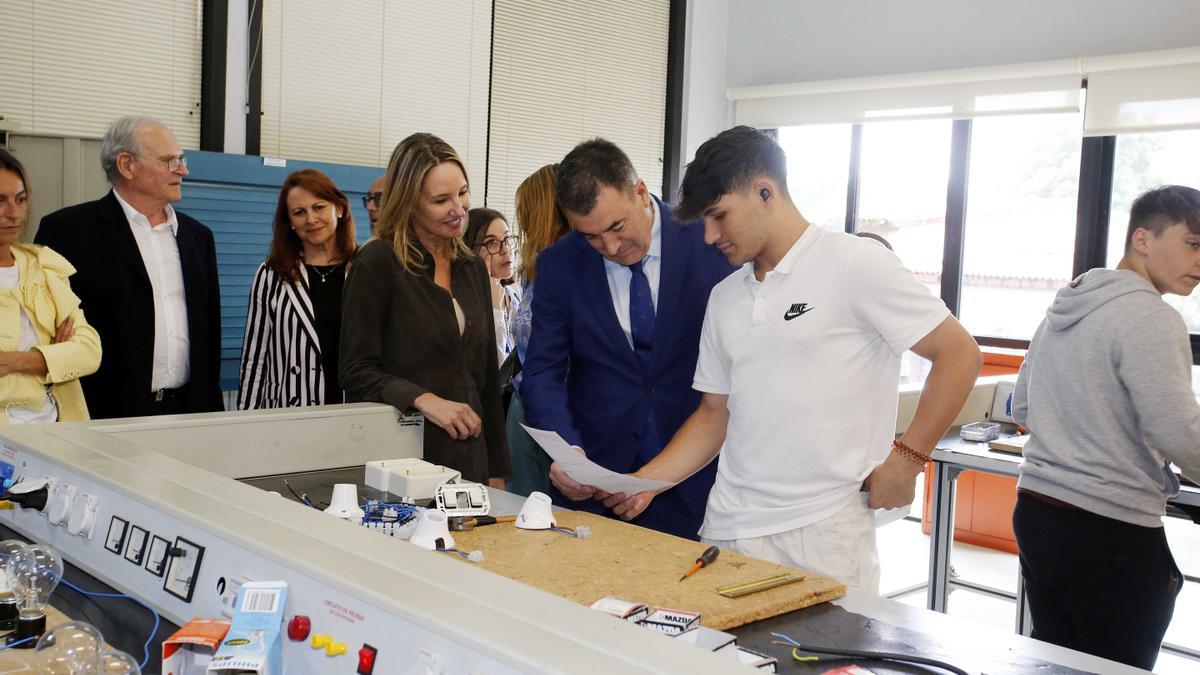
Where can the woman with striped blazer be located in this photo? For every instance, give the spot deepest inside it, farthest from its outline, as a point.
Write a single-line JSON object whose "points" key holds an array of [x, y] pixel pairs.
{"points": [[293, 323]]}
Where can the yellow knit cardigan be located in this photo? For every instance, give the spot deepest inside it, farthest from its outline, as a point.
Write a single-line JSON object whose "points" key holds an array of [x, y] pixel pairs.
{"points": [[45, 294]]}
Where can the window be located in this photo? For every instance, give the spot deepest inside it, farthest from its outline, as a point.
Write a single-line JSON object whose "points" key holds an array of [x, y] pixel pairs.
{"points": [[902, 195], [1144, 161], [1019, 238], [818, 165]]}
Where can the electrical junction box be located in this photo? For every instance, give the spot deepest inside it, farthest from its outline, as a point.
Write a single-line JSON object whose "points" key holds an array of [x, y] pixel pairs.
{"points": [[1003, 402], [408, 478]]}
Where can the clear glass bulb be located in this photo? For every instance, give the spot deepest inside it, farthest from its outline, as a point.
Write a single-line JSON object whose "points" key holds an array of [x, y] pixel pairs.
{"points": [[34, 573], [8, 547], [119, 663], [71, 648]]}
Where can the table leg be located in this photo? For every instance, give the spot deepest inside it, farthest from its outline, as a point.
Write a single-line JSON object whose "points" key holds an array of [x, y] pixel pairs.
{"points": [[941, 539], [1024, 620]]}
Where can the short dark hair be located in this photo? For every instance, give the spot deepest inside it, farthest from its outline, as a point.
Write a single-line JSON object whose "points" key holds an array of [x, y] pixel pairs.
{"points": [[586, 168], [1159, 208], [478, 221], [727, 163]]}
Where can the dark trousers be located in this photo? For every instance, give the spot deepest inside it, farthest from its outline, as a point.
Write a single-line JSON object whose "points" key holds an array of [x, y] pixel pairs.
{"points": [[1095, 584]]}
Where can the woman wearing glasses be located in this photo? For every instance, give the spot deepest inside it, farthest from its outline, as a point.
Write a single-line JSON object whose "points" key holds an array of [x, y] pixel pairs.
{"points": [[418, 332], [294, 318], [45, 343], [489, 237]]}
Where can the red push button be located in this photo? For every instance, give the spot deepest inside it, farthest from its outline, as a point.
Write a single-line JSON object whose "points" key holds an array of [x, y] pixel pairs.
{"points": [[366, 660], [298, 628]]}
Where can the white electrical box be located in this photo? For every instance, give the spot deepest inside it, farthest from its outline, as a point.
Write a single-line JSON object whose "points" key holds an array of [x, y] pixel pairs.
{"points": [[410, 479], [1003, 402]]}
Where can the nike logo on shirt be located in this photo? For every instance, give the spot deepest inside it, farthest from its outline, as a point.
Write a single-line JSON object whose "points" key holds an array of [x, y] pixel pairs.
{"points": [[798, 309]]}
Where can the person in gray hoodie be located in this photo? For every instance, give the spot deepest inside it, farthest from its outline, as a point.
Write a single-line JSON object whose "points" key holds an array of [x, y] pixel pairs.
{"points": [[1106, 393]]}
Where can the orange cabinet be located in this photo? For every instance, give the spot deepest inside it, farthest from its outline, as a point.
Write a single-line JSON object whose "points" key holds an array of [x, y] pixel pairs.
{"points": [[984, 502]]}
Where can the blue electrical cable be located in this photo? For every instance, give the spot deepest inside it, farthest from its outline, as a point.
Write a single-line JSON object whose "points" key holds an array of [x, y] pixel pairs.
{"points": [[157, 619], [14, 644]]}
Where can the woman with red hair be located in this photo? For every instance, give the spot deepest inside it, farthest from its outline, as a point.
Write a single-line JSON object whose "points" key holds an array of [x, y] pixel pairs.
{"points": [[293, 323]]}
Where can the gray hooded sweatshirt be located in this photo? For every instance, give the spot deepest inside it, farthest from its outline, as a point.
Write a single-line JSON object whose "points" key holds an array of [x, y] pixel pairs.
{"points": [[1106, 392]]}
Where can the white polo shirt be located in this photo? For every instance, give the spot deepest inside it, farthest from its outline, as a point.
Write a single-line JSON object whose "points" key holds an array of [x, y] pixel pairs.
{"points": [[810, 360]]}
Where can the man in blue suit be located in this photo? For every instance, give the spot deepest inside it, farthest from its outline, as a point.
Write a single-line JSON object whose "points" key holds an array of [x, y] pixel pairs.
{"points": [[616, 330]]}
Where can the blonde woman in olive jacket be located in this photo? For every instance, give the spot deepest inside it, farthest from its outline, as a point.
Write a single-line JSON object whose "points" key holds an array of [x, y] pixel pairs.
{"points": [[46, 344]]}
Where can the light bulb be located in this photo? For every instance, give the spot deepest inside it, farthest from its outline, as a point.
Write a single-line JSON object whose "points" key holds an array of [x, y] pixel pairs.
{"points": [[71, 648], [8, 599], [34, 573], [119, 663]]}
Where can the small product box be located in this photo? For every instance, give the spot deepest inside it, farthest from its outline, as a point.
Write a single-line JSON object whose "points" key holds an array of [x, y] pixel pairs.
{"points": [[754, 659], [671, 621], [252, 645], [980, 432], [622, 609], [712, 640], [191, 648]]}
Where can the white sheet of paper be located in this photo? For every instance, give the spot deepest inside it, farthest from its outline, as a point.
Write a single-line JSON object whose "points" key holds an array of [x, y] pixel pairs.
{"points": [[586, 472]]}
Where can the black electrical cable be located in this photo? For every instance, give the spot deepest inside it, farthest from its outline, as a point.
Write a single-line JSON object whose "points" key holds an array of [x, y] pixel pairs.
{"points": [[881, 656]]}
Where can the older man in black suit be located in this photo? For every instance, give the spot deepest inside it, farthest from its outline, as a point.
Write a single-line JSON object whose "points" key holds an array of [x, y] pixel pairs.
{"points": [[147, 278]]}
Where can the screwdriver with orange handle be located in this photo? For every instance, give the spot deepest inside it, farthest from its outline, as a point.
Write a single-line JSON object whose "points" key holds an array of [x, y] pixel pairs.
{"points": [[705, 559]]}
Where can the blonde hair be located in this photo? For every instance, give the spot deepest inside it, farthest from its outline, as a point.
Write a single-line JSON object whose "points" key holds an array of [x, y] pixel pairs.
{"points": [[539, 218], [411, 161]]}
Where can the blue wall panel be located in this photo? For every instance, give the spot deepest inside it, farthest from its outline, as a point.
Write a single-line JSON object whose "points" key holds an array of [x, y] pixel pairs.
{"points": [[235, 196]]}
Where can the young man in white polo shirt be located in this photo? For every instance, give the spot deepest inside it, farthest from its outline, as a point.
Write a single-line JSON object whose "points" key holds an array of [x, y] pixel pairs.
{"points": [[799, 369]]}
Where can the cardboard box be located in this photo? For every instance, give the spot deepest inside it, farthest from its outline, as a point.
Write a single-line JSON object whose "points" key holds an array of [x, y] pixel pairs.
{"points": [[191, 648], [252, 644]]}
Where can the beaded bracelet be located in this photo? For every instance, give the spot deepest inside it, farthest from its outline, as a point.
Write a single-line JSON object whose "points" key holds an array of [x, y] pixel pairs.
{"points": [[910, 454]]}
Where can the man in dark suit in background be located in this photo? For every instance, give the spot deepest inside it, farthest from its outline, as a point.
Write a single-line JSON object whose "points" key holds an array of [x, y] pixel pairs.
{"points": [[147, 278], [616, 330]]}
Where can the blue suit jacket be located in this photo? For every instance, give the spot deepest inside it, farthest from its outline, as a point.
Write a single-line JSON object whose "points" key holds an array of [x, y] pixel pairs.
{"points": [[583, 380]]}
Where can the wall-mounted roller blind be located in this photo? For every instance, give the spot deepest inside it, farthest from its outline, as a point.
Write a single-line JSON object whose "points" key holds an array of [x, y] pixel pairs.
{"points": [[565, 71], [1033, 88], [1146, 91], [71, 67], [344, 82]]}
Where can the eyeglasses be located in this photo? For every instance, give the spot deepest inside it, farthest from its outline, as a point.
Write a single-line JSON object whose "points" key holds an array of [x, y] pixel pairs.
{"points": [[372, 198], [494, 246], [173, 163]]}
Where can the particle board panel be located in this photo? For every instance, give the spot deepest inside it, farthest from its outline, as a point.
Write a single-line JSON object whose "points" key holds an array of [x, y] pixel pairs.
{"points": [[640, 565]]}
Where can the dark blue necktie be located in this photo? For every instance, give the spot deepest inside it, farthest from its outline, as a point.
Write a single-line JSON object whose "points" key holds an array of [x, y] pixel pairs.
{"points": [[641, 311]]}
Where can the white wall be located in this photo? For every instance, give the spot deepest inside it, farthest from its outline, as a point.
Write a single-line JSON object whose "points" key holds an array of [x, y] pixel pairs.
{"points": [[780, 41], [706, 110]]}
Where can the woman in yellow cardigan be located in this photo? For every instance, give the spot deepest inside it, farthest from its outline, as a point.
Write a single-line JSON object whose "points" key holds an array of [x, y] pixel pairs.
{"points": [[45, 343]]}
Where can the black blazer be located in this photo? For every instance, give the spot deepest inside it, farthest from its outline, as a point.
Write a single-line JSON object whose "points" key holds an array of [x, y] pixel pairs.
{"points": [[116, 295], [400, 340]]}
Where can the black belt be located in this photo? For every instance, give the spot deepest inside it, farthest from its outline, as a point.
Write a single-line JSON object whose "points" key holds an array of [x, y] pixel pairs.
{"points": [[167, 395]]}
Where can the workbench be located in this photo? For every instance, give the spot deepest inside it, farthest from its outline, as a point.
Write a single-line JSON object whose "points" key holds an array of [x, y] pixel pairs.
{"points": [[858, 620], [954, 456]]}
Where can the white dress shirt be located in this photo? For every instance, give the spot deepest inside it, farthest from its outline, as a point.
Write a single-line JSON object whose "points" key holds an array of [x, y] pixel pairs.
{"points": [[619, 275], [160, 254]]}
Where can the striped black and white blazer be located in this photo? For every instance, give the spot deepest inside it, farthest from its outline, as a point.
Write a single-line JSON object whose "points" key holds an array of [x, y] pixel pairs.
{"points": [[281, 355]]}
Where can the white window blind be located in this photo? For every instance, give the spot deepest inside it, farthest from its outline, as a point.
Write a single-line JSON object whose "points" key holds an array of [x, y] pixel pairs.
{"points": [[566, 71], [1148, 91], [1032, 88], [345, 82], [72, 67]]}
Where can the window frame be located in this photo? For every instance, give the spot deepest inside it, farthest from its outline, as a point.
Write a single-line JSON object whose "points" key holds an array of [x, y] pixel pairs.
{"points": [[1097, 159]]}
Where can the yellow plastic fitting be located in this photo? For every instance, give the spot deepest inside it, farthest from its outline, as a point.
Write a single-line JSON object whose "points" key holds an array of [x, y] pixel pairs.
{"points": [[335, 649], [320, 640]]}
